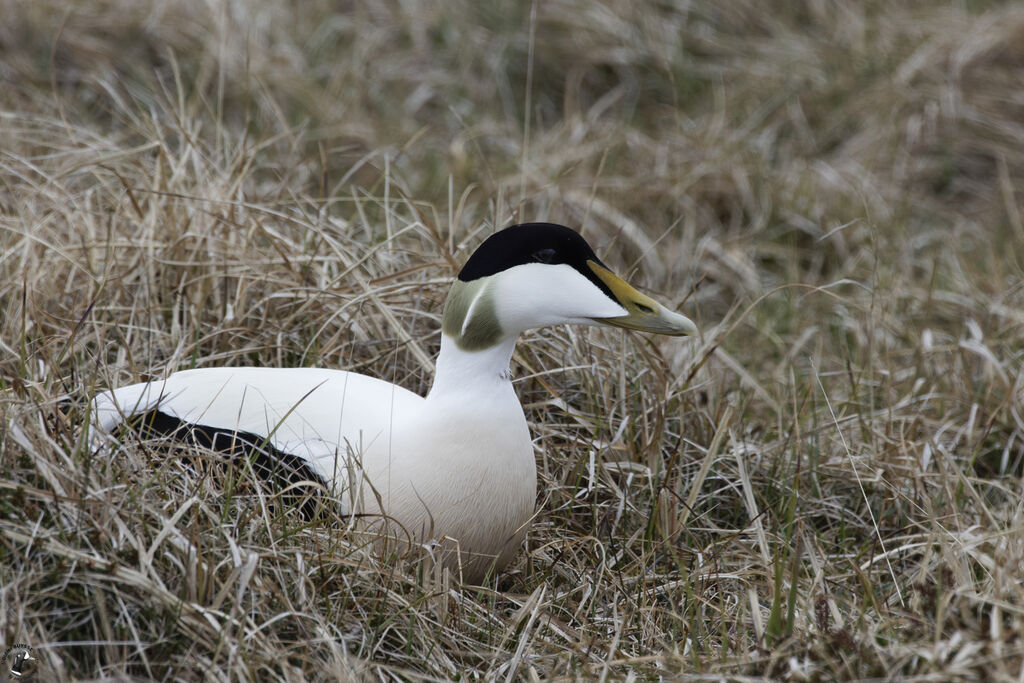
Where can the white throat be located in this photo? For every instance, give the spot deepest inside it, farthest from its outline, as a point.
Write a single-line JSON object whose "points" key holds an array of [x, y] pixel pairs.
{"points": [[465, 373]]}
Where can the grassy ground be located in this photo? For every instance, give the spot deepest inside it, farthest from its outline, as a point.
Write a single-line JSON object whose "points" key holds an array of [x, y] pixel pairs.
{"points": [[827, 484]]}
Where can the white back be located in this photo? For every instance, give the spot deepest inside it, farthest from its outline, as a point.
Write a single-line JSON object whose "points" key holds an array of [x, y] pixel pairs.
{"points": [[313, 413]]}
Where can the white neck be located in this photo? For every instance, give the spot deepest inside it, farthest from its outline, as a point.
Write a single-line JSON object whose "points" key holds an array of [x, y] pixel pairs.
{"points": [[464, 373]]}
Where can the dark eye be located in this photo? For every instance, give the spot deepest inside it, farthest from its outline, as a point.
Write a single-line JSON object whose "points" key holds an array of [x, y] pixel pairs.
{"points": [[544, 255]]}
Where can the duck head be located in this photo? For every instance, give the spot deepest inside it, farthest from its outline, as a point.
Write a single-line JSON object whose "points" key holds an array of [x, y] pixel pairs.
{"points": [[541, 274]]}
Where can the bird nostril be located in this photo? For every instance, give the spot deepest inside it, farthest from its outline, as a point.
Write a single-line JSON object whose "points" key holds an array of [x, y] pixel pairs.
{"points": [[644, 308]]}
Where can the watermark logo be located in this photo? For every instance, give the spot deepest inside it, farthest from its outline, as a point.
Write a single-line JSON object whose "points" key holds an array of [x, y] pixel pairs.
{"points": [[19, 662]]}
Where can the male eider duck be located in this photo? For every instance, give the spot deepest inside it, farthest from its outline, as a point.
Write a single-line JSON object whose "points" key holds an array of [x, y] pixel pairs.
{"points": [[452, 470]]}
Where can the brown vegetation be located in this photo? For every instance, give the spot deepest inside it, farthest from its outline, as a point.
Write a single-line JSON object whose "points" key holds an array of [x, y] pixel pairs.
{"points": [[826, 485]]}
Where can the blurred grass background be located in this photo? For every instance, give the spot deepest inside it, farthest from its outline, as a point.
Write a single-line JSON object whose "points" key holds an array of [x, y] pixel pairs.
{"points": [[826, 485]]}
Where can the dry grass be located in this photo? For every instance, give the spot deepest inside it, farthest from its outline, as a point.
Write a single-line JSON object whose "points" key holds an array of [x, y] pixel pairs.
{"points": [[826, 485]]}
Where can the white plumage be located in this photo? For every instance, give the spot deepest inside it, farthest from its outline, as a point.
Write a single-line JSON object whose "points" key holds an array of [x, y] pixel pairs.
{"points": [[455, 468]]}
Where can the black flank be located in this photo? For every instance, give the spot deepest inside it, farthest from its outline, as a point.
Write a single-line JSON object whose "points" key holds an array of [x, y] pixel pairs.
{"points": [[278, 468]]}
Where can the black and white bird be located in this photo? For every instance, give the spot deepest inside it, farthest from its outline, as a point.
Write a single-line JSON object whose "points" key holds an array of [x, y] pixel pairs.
{"points": [[454, 469]]}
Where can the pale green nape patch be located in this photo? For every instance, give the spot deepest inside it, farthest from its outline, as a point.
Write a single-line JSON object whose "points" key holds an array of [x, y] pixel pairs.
{"points": [[483, 329]]}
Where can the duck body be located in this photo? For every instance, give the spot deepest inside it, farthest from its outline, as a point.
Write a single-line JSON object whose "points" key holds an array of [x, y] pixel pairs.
{"points": [[454, 470]]}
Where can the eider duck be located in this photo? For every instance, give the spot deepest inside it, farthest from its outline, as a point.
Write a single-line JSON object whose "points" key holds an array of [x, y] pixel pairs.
{"points": [[453, 471]]}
